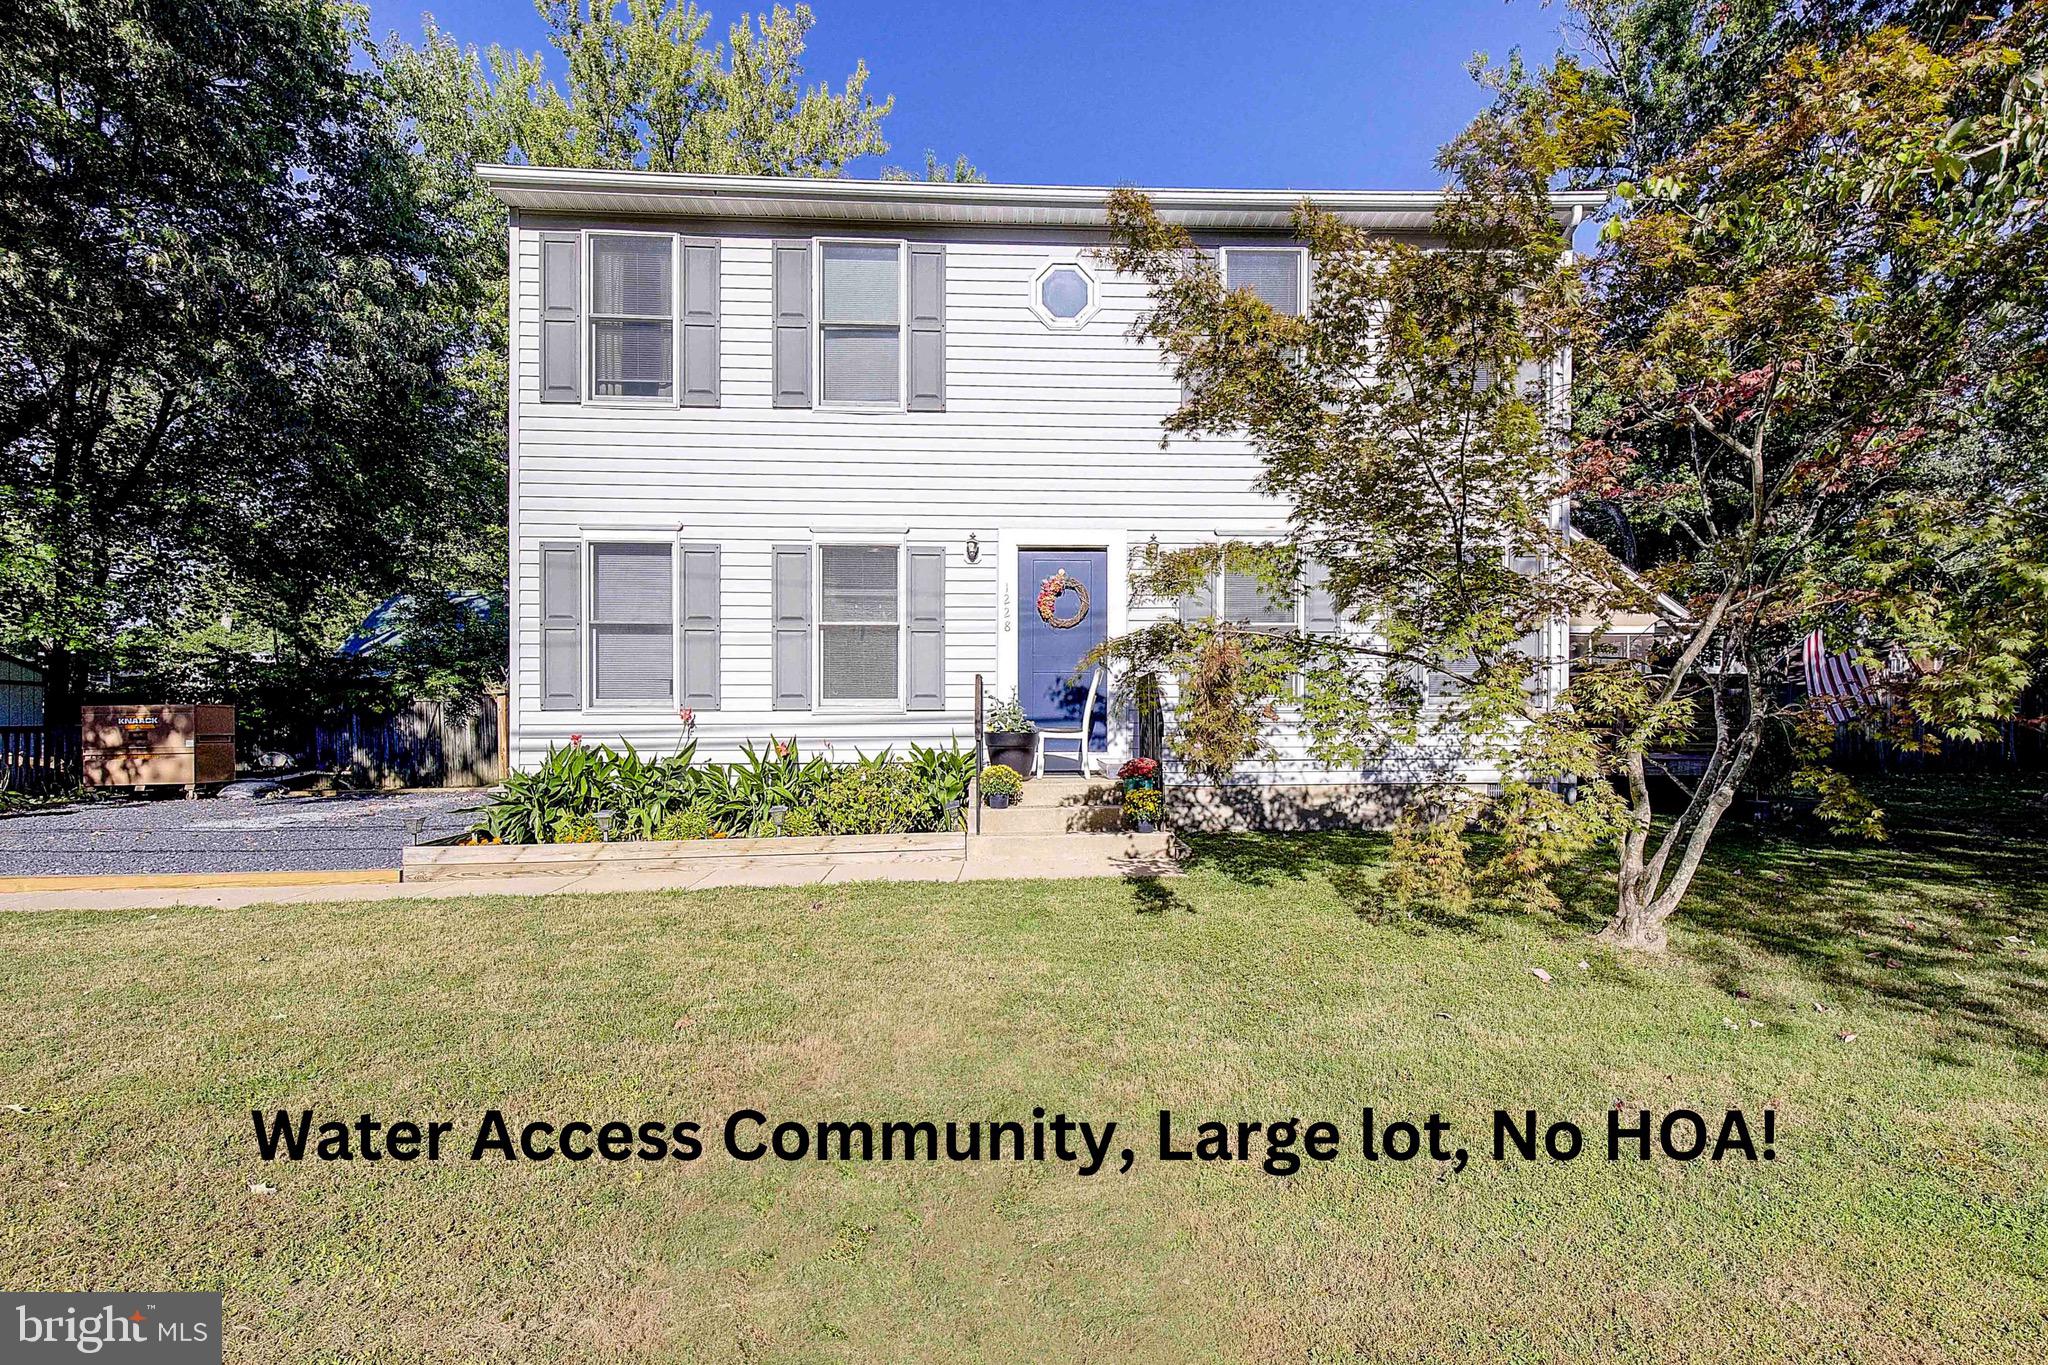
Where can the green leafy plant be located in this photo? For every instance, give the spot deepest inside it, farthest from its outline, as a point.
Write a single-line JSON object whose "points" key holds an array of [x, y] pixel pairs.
{"points": [[574, 829], [1008, 718], [1426, 867], [943, 775], [693, 822], [870, 797], [1000, 779], [801, 824], [678, 798]]}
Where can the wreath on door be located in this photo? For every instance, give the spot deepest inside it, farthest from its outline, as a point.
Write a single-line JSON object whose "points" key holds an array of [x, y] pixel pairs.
{"points": [[1049, 594]]}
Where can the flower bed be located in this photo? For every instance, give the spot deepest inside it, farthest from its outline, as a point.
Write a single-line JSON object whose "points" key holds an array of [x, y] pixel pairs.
{"points": [[593, 794]]}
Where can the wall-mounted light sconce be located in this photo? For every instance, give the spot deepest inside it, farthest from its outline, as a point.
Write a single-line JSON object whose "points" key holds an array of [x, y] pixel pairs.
{"points": [[973, 549]]}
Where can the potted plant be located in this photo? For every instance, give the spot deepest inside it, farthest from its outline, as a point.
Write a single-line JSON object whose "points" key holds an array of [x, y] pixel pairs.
{"points": [[1000, 785], [1142, 808], [1139, 774], [1010, 734]]}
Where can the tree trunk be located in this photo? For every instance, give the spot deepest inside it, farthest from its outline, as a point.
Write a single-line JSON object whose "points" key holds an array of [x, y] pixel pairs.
{"points": [[1646, 893]]}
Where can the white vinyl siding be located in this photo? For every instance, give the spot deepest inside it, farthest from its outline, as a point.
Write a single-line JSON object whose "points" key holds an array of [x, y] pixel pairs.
{"points": [[860, 623], [632, 624], [632, 315], [860, 324]]}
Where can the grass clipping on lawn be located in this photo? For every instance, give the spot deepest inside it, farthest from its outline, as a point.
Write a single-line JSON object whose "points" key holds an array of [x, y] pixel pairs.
{"points": [[1902, 1221]]}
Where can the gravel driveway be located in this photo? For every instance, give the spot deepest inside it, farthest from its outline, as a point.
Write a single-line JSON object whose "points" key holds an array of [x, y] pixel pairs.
{"points": [[268, 834]]}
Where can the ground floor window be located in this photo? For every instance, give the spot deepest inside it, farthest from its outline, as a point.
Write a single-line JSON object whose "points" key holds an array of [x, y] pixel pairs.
{"points": [[860, 623], [1246, 601], [632, 623]]}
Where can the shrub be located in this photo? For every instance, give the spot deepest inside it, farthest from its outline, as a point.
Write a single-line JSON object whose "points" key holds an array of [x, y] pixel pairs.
{"points": [[801, 823], [1143, 803], [1000, 779], [870, 797], [692, 822], [1426, 867], [574, 829]]}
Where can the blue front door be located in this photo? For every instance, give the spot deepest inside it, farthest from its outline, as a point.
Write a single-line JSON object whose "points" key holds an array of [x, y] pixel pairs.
{"points": [[1050, 682]]}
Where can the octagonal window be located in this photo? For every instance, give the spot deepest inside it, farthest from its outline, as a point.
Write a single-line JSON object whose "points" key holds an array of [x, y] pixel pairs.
{"points": [[1063, 292]]}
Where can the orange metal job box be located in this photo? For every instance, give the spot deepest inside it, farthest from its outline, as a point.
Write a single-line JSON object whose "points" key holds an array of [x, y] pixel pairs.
{"points": [[157, 746]]}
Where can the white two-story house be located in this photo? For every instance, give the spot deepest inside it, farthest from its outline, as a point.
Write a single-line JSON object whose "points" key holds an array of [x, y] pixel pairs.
{"points": [[793, 457]]}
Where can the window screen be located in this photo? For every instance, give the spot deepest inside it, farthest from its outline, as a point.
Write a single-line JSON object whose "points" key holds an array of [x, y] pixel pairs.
{"points": [[859, 622], [1244, 601], [632, 635], [1274, 276], [860, 323], [632, 317]]}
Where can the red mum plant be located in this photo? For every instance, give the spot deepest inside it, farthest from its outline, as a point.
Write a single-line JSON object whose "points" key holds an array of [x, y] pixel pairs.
{"points": [[1140, 768]]}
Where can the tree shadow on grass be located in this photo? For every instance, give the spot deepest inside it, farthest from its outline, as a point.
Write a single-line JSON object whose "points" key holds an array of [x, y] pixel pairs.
{"points": [[1157, 896], [1351, 862], [1943, 920]]}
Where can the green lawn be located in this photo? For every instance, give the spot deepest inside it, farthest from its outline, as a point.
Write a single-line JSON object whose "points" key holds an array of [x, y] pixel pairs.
{"points": [[1904, 1218]]}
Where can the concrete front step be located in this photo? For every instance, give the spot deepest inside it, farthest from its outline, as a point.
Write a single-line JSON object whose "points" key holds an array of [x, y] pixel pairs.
{"points": [[1071, 789], [1034, 818]]}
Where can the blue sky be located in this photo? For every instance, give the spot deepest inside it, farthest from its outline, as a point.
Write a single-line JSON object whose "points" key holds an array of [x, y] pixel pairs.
{"points": [[1338, 94]]}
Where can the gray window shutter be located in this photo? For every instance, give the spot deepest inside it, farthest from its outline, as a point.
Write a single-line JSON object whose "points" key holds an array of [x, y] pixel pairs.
{"points": [[1320, 614], [561, 626], [927, 620], [927, 327], [1210, 258], [561, 317], [700, 322], [699, 618], [792, 627], [792, 324]]}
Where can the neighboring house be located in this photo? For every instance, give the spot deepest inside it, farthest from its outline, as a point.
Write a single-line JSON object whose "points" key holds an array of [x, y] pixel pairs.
{"points": [[795, 456], [21, 693]]}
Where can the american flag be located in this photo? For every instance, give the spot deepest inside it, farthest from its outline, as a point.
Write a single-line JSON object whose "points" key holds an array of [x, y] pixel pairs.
{"points": [[1840, 684]]}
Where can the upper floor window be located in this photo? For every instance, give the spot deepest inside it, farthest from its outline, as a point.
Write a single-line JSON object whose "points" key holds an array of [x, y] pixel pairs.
{"points": [[860, 324], [1063, 295], [632, 316], [1277, 275]]}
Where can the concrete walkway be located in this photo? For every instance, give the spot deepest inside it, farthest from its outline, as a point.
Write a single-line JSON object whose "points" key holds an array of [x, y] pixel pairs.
{"points": [[981, 860]]}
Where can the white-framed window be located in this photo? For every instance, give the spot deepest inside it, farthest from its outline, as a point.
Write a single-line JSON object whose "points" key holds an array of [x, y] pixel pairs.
{"points": [[632, 315], [860, 624], [1244, 600], [1276, 274], [860, 323], [1063, 295], [632, 623]]}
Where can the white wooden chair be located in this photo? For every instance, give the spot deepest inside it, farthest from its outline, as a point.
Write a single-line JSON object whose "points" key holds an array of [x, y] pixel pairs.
{"points": [[1078, 737]]}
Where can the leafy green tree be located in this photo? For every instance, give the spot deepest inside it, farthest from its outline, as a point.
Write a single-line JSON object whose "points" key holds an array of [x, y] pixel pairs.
{"points": [[226, 312], [1789, 330], [960, 171]]}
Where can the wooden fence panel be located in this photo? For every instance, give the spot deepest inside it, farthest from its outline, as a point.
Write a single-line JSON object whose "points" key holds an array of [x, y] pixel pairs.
{"points": [[429, 744]]}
